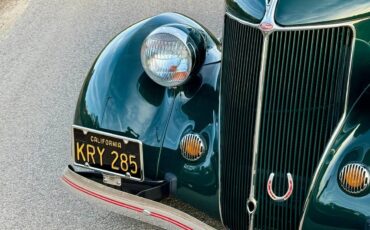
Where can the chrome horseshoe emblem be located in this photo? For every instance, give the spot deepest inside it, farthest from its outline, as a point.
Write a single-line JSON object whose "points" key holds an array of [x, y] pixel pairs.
{"points": [[286, 195]]}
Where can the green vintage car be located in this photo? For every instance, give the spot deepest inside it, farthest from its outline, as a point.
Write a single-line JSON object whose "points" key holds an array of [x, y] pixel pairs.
{"points": [[268, 130]]}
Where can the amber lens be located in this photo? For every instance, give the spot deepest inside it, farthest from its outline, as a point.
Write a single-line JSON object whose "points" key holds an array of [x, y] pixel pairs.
{"points": [[192, 148], [354, 178]]}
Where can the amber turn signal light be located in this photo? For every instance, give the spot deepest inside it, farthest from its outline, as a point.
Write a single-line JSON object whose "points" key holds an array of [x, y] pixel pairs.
{"points": [[354, 178], [192, 147]]}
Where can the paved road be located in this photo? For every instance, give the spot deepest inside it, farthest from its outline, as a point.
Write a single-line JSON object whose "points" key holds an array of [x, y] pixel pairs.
{"points": [[44, 57]]}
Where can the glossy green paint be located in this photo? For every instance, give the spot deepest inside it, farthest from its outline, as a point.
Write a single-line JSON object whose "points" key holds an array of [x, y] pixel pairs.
{"points": [[251, 11], [195, 111], [301, 12], [360, 76], [327, 204], [119, 97]]}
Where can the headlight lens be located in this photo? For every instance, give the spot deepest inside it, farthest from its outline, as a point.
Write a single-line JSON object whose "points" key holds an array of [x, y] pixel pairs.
{"points": [[168, 56]]}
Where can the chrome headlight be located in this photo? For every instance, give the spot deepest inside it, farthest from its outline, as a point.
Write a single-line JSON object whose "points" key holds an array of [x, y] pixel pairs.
{"points": [[168, 55]]}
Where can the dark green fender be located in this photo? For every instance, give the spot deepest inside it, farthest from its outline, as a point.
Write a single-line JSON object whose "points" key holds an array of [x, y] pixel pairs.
{"points": [[119, 97], [328, 204]]}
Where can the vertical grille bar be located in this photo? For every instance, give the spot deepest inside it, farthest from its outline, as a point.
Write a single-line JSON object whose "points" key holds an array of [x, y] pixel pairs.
{"points": [[239, 90], [304, 98]]}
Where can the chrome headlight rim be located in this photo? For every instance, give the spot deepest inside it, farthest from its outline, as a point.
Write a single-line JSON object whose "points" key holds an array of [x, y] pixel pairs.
{"points": [[190, 38], [174, 30]]}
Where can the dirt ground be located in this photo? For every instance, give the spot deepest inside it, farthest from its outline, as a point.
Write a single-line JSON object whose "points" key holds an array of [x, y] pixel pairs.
{"points": [[3, 3], [10, 10]]}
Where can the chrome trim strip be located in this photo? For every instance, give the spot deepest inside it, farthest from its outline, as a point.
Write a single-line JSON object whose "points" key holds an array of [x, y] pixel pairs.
{"points": [[219, 127], [257, 127], [350, 66], [297, 28], [327, 150], [268, 18], [219, 133], [84, 129]]}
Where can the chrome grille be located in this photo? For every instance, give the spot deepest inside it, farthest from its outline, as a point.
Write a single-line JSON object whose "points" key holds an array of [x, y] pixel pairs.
{"points": [[303, 100], [239, 90]]}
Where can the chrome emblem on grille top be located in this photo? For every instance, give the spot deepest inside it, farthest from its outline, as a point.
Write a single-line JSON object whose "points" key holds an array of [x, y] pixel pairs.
{"points": [[286, 195], [267, 24]]}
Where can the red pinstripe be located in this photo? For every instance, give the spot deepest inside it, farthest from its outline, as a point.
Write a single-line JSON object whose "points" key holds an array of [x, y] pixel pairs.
{"points": [[121, 204]]}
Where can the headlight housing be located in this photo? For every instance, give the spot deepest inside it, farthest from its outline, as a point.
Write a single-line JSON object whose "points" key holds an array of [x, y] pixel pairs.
{"points": [[170, 53]]}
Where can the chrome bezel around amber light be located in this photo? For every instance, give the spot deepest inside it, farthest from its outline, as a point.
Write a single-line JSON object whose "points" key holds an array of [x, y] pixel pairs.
{"points": [[359, 169], [192, 138]]}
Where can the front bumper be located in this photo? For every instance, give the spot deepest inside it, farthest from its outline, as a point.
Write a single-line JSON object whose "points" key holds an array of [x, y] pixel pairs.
{"points": [[130, 205]]}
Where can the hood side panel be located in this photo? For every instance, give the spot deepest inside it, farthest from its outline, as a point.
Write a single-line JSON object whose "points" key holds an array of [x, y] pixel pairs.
{"points": [[251, 10], [303, 12]]}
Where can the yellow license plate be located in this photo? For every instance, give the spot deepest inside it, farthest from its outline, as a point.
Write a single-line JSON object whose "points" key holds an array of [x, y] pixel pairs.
{"points": [[108, 153]]}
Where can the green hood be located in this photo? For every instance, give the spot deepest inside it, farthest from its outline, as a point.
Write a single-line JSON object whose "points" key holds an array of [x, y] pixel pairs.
{"points": [[301, 12]]}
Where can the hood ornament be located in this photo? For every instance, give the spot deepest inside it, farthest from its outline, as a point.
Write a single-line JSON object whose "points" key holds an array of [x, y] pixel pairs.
{"points": [[286, 195], [268, 24]]}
